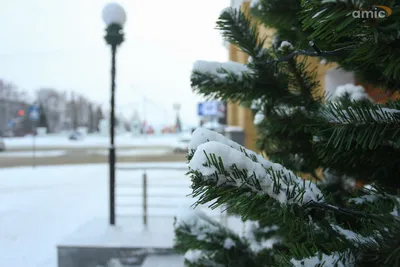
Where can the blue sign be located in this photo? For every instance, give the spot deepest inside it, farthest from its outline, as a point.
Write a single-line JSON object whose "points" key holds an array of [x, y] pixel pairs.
{"points": [[200, 109], [10, 123], [211, 108], [34, 113]]}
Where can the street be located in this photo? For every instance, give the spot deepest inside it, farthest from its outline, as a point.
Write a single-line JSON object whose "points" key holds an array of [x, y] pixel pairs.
{"points": [[18, 157]]}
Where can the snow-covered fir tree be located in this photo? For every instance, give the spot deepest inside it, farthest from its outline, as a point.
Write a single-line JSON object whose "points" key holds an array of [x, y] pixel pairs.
{"points": [[293, 216]]}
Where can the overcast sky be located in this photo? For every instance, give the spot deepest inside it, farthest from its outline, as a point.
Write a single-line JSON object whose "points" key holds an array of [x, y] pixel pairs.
{"points": [[59, 44]]}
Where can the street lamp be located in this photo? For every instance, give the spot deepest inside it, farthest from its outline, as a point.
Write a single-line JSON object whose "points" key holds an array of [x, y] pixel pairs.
{"points": [[114, 17]]}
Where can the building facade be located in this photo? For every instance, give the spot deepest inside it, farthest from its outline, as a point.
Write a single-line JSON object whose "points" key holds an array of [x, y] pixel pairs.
{"points": [[14, 106], [53, 104]]}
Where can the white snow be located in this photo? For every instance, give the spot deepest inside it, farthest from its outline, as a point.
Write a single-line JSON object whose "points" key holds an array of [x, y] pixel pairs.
{"points": [[133, 152], [258, 118], [319, 13], [352, 236], [59, 141], [355, 92], [396, 208], [40, 206], [255, 4], [328, 260], [202, 135], [217, 69], [250, 228], [285, 45], [233, 129], [261, 170], [363, 199], [43, 206], [395, 212], [29, 154], [255, 104], [201, 225], [229, 243], [193, 255], [163, 261]]}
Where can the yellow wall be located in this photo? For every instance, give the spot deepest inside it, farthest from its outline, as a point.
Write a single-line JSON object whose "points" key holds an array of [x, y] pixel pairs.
{"points": [[239, 116]]}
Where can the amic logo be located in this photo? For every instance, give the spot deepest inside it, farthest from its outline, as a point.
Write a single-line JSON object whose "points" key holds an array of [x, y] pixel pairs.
{"points": [[377, 12]]}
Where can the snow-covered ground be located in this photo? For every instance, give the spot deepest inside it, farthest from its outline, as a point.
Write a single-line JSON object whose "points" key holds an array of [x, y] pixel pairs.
{"points": [[103, 152], [133, 152], [29, 154], [124, 140], [40, 207]]}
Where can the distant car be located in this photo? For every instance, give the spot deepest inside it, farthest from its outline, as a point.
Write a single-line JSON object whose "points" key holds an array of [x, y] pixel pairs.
{"points": [[182, 145], [2, 145], [76, 136]]}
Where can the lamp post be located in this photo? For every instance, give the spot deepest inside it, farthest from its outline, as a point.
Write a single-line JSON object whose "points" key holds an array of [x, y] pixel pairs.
{"points": [[114, 17]]}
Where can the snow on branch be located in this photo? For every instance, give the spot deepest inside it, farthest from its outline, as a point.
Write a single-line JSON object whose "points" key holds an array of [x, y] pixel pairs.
{"points": [[221, 71], [199, 258], [258, 118], [195, 230], [201, 226], [193, 255], [251, 227], [285, 46], [363, 199], [226, 166], [352, 236], [354, 92], [202, 135], [325, 260], [335, 113], [255, 4]]}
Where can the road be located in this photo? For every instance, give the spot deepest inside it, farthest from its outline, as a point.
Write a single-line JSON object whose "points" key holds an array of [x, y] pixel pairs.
{"points": [[68, 156]]}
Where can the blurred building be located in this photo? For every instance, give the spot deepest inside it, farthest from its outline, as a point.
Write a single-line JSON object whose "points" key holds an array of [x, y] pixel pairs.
{"points": [[13, 108], [64, 113], [61, 112], [54, 105]]}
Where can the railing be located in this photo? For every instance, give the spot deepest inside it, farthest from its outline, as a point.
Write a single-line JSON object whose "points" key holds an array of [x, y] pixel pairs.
{"points": [[145, 197]]}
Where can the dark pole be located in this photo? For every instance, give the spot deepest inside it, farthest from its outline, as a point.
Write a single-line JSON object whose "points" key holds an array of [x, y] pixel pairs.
{"points": [[114, 37], [34, 144], [112, 132]]}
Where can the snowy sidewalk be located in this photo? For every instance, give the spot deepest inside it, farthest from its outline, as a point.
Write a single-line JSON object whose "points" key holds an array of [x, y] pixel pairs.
{"points": [[41, 207]]}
